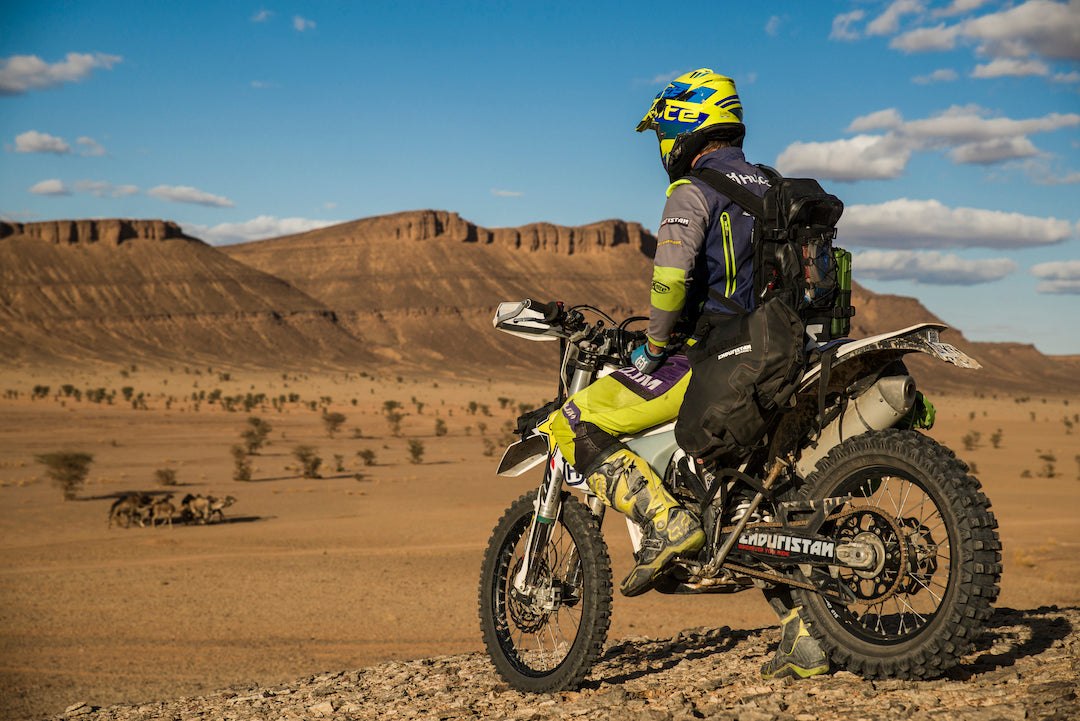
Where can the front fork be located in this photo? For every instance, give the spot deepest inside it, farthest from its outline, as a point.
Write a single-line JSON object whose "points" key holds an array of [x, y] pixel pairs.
{"points": [[546, 510]]}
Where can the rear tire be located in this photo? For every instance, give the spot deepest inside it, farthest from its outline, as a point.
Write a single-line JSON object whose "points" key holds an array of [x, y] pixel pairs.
{"points": [[540, 645], [921, 609]]}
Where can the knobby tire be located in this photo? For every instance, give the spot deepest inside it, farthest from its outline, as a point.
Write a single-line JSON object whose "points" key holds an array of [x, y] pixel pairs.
{"points": [[553, 650], [932, 615]]}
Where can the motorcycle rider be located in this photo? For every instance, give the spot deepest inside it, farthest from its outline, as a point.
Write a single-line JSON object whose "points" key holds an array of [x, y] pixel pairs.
{"points": [[704, 241]]}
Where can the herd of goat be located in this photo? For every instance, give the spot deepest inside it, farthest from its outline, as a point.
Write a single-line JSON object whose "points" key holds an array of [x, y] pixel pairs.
{"points": [[142, 508]]}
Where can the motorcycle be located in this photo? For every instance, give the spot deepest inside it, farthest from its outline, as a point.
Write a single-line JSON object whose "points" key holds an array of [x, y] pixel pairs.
{"points": [[879, 533]]}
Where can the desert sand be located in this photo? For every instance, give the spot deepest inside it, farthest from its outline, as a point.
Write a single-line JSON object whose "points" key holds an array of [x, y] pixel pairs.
{"points": [[311, 575]]}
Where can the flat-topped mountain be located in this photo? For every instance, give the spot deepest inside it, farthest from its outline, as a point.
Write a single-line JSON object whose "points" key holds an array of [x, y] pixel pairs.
{"points": [[415, 291]]}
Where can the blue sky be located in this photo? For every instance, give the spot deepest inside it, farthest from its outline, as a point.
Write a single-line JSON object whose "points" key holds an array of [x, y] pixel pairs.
{"points": [[950, 129]]}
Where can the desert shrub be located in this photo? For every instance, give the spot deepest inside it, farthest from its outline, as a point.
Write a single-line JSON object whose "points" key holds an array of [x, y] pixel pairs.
{"points": [[390, 406], [489, 447], [995, 438], [440, 427], [241, 464], [256, 433], [127, 392], [393, 419], [416, 451], [165, 476], [339, 463], [67, 469], [309, 461], [971, 440], [367, 456], [332, 422]]}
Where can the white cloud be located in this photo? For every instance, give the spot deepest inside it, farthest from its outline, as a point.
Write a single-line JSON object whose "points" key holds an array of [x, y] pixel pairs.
{"points": [[1040, 172], [906, 223], [184, 194], [929, 268], [889, 21], [921, 40], [842, 25], [262, 16], [959, 7], [986, 152], [260, 228], [34, 142], [889, 118], [302, 24], [1011, 67], [1066, 77], [964, 132], [1034, 28], [773, 26], [92, 148], [864, 157], [20, 73], [102, 188], [506, 193], [944, 75], [50, 187], [1058, 277]]}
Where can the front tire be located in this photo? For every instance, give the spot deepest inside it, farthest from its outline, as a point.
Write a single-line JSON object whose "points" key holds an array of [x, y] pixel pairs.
{"points": [[548, 640], [919, 610]]}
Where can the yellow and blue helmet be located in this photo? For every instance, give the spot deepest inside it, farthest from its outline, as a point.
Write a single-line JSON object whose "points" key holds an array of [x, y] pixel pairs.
{"points": [[695, 108]]}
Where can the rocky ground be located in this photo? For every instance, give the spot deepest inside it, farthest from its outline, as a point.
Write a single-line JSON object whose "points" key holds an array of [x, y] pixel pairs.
{"points": [[1025, 666]]}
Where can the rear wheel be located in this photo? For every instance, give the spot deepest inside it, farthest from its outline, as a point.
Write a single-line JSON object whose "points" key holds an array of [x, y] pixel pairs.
{"points": [[546, 637], [919, 609]]}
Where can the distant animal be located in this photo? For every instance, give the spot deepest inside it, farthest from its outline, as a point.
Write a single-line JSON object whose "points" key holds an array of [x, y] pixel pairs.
{"points": [[129, 507], [162, 509], [204, 509], [218, 506]]}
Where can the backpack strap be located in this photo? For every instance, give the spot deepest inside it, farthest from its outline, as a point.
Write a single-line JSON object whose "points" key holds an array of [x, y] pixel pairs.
{"points": [[743, 197], [727, 302]]}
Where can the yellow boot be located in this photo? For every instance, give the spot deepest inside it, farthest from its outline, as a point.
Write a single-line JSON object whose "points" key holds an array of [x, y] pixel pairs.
{"points": [[799, 655], [627, 483]]}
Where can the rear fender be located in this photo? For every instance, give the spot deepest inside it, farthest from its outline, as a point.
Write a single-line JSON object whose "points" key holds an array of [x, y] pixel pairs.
{"points": [[921, 338]]}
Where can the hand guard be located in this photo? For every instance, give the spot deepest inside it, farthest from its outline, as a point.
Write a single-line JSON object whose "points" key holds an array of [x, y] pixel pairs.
{"points": [[644, 360]]}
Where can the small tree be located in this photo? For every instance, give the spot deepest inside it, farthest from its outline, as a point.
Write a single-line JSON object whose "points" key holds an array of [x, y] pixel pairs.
{"points": [[67, 469], [242, 466], [394, 418], [309, 462], [255, 435], [440, 427], [416, 451], [995, 438], [367, 456], [333, 422]]}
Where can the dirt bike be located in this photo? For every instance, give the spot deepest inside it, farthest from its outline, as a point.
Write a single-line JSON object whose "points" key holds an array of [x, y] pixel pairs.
{"points": [[878, 532]]}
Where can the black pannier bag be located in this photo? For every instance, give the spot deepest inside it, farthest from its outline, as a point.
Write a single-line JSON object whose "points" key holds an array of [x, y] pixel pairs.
{"points": [[745, 367]]}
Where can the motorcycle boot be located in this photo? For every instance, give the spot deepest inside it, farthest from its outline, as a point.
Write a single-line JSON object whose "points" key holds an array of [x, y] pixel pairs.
{"points": [[798, 655], [627, 483]]}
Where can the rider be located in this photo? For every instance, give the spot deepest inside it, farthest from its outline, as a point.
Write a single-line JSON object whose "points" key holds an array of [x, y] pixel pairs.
{"points": [[704, 242]]}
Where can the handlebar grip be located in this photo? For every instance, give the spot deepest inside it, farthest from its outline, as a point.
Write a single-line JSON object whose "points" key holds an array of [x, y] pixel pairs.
{"points": [[552, 311]]}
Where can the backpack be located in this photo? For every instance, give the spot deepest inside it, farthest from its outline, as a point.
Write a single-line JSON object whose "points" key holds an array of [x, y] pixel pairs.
{"points": [[747, 365], [794, 258]]}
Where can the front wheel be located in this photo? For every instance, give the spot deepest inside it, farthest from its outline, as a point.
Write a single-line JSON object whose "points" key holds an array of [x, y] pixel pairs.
{"points": [[918, 610], [547, 636]]}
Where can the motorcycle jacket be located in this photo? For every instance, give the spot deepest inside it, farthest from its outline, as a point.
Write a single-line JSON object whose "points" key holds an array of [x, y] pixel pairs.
{"points": [[704, 241]]}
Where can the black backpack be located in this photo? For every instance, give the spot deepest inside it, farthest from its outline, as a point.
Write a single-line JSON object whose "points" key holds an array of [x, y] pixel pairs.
{"points": [[747, 365], [794, 258]]}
